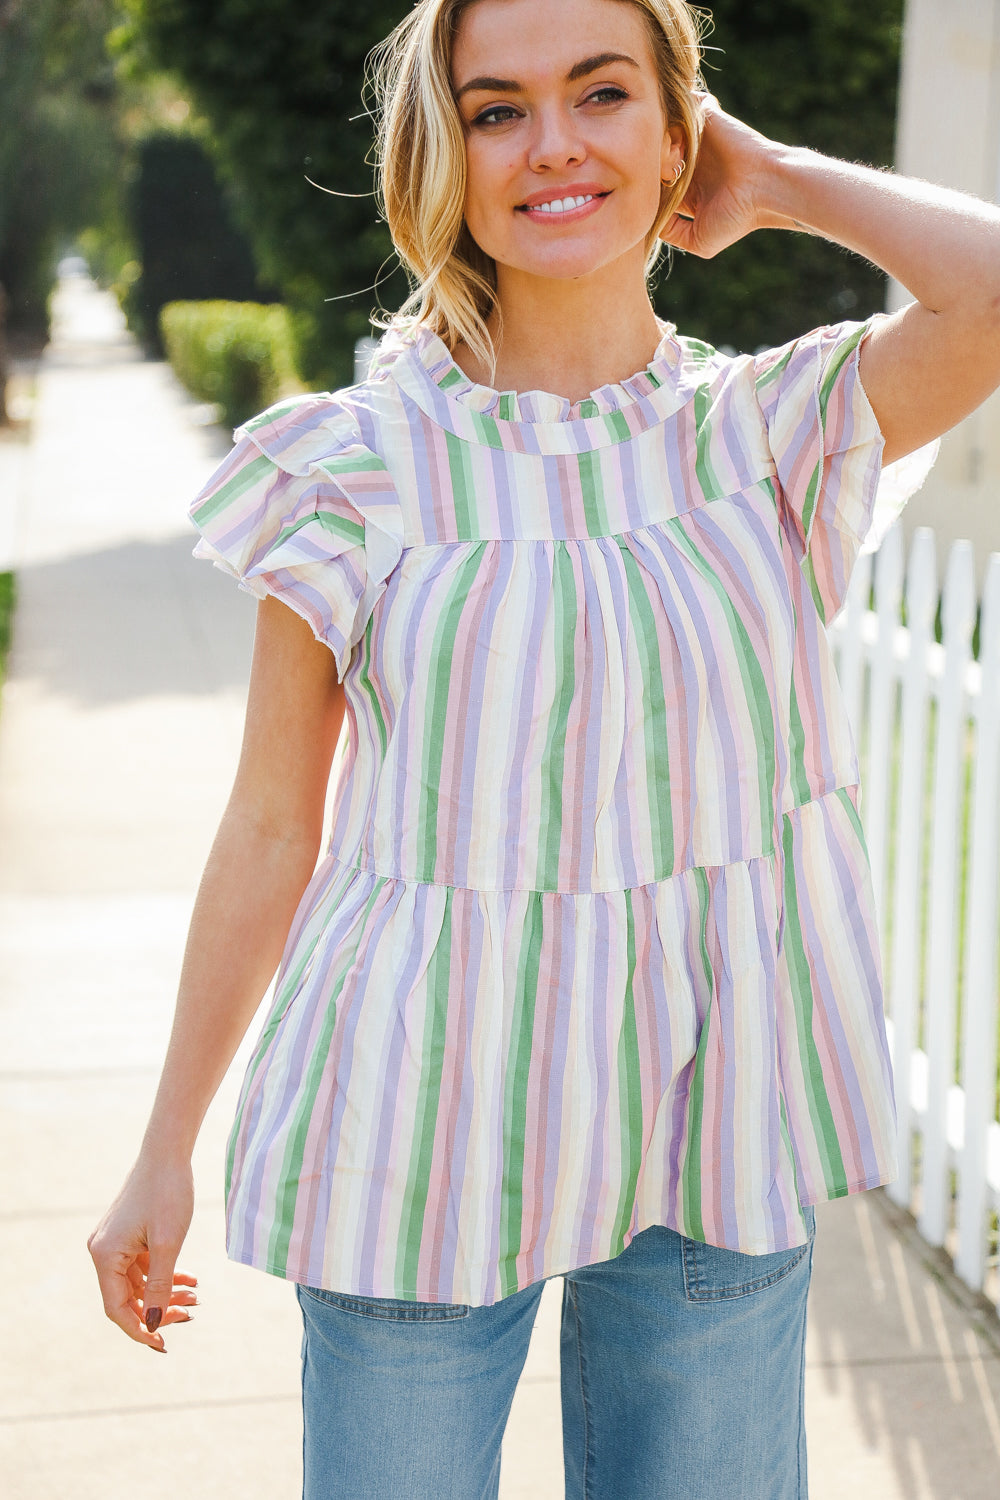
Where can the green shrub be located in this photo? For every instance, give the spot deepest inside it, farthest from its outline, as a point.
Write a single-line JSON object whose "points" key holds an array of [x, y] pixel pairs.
{"points": [[7, 600], [237, 354]]}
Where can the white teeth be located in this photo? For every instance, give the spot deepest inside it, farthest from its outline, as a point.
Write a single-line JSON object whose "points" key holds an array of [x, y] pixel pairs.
{"points": [[563, 205]]}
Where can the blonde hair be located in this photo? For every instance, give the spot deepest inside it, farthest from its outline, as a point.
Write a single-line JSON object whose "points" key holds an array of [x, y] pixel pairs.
{"points": [[421, 160]]}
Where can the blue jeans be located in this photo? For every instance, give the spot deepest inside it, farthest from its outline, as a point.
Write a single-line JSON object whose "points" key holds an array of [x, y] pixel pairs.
{"points": [[682, 1379]]}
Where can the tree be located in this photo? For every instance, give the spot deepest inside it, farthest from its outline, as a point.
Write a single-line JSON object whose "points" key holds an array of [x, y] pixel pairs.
{"points": [[60, 157], [819, 73], [282, 90], [187, 246]]}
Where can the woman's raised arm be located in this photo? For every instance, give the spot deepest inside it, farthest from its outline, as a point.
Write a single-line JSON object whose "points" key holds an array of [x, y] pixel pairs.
{"points": [[930, 364], [261, 861]]}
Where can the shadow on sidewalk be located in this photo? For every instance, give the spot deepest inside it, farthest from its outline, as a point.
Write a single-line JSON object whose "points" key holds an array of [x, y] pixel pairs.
{"points": [[898, 1371], [92, 628]]}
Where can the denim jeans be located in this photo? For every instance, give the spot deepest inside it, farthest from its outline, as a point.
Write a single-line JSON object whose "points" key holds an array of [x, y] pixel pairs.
{"points": [[682, 1379]]}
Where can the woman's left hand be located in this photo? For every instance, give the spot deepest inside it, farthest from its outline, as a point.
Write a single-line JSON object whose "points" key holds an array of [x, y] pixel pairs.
{"points": [[931, 363], [726, 199]]}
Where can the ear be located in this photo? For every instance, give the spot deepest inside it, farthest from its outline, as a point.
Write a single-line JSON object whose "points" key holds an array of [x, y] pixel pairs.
{"points": [[672, 152]]}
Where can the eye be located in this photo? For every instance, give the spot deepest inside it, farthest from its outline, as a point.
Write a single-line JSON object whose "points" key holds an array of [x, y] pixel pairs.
{"points": [[609, 94], [497, 114]]}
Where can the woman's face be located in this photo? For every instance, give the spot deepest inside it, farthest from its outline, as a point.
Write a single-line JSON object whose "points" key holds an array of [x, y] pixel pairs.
{"points": [[565, 137]]}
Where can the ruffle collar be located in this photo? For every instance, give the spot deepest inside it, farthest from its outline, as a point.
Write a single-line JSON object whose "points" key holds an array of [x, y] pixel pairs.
{"points": [[535, 421]]}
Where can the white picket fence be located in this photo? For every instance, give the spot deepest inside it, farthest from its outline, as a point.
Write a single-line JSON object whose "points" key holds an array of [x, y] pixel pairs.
{"points": [[927, 720]]}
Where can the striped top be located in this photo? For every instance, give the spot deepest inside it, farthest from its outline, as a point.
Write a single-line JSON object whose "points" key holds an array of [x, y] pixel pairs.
{"points": [[593, 946]]}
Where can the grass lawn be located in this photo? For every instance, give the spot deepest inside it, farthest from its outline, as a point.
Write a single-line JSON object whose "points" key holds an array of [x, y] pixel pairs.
{"points": [[7, 594]]}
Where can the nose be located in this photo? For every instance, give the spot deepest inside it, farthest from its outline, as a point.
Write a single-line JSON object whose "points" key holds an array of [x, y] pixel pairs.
{"points": [[555, 141]]}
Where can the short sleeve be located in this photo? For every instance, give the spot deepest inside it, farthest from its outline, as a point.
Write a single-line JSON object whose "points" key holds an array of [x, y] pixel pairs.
{"points": [[302, 510], [827, 450]]}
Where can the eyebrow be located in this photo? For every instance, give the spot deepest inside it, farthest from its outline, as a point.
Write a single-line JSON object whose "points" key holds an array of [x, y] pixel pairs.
{"points": [[588, 65]]}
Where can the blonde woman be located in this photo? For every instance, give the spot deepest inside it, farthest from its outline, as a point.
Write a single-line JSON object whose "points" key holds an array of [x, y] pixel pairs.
{"points": [[587, 982]]}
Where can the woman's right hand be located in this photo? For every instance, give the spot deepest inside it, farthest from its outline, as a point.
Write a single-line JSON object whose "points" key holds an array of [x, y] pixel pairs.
{"points": [[135, 1247], [261, 862]]}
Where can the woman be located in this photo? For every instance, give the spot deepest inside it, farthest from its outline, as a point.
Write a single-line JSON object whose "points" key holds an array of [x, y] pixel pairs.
{"points": [[588, 981]]}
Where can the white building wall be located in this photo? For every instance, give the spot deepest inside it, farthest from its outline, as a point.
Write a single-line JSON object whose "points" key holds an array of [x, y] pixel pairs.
{"points": [[948, 131]]}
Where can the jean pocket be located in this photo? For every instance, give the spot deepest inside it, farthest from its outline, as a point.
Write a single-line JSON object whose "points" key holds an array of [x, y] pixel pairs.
{"points": [[389, 1308], [714, 1274]]}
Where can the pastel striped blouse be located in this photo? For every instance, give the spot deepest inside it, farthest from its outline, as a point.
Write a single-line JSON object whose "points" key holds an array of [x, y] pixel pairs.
{"points": [[593, 946]]}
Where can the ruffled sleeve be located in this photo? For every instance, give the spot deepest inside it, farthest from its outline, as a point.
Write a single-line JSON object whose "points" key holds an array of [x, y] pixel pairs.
{"points": [[827, 450], [301, 509]]}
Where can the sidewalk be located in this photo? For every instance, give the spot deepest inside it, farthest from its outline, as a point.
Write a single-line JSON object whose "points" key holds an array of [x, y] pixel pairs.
{"points": [[118, 737]]}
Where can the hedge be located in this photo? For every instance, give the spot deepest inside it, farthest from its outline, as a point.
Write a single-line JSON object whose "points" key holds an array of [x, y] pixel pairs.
{"points": [[236, 354], [8, 595]]}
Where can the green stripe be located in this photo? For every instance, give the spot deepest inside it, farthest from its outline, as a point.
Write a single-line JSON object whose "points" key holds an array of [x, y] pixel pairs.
{"points": [[800, 978], [367, 686], [837, 362], [774, 374], [814, 589], [629, 1094], [273, 413], [643, 621], [463, 494], [691, 1185], [487, 429], [451, 377], [831, 375], [617, 425], [431, 1069], [564, 607], [515, 1094], [843, 797], [341, 527], [809, 504], [291, 1166], [441, 654], [355, 461], [592, 489], [752, 676], [244, 479], [282, 1000], [698, 352], [707, 477], [506, 407], [797, 750]]}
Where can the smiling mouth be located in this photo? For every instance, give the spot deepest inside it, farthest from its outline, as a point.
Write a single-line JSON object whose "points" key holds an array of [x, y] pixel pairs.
{"points": [[556, 206]]}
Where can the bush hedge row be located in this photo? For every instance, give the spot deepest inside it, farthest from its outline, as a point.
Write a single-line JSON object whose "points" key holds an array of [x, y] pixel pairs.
{"points": [[236, 354], [8, 595]]}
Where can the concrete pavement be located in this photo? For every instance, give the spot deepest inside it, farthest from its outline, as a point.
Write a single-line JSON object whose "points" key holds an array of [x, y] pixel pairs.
{"points": [[118, 736]]}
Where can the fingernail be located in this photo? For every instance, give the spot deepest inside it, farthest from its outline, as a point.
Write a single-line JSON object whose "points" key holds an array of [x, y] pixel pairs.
{"points": [[153, 1318]]}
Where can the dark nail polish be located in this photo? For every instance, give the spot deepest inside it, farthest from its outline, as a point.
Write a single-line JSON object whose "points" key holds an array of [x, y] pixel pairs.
{"points": [[154, 1316]]}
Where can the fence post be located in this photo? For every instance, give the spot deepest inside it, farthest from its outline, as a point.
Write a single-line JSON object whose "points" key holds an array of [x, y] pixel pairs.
{"points": [[958, 614], [979, 1001], [920, 604]]}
